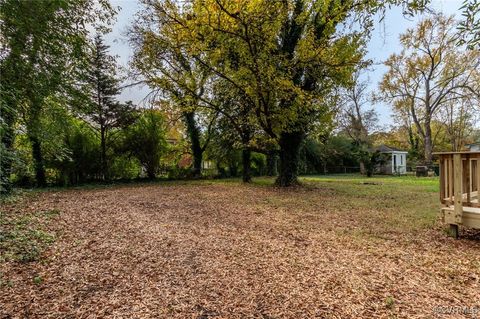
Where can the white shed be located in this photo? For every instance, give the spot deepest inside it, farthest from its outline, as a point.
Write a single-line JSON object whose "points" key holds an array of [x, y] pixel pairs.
{"points": [[396, 160]]}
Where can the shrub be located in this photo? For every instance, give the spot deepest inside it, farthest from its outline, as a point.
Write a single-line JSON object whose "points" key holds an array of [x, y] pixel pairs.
{"points": [[145, 140]]}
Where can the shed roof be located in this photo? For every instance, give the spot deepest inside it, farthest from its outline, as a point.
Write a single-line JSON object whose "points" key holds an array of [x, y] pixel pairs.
{"points": [[388, 149]]}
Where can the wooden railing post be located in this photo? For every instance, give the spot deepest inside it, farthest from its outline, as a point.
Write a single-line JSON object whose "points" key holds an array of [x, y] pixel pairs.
{"points": [[458, 174], [478, 178], [442, 179], [466, 178], [450, 179]]}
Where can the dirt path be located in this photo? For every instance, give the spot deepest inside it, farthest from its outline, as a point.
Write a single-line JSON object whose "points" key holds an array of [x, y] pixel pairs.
{"points": [[229, 251]]}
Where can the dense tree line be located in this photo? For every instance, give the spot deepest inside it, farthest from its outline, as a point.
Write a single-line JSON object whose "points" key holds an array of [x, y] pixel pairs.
{"points": [[61, 121], [239, 88]]}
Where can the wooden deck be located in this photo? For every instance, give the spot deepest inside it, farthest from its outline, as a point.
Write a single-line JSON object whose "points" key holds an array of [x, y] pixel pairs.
{"points": [[459, 189]]}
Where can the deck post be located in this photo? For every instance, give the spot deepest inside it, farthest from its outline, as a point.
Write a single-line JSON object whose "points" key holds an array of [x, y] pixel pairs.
{"points": [[453, 231], [458, 173]]}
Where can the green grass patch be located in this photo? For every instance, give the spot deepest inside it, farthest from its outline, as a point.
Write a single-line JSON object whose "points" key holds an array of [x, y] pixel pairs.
{"points": [[15, 196], [399, 203], [22, 236]]}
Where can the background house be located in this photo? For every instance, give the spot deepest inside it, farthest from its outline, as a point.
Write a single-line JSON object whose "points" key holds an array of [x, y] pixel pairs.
{"points": [[395, 160], [474, 147]]}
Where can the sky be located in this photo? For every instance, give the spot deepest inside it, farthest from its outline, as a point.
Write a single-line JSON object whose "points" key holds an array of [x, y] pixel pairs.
{"points": [[384, 42]]}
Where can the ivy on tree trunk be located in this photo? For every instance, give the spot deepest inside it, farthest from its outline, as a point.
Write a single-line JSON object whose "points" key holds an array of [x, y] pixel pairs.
{"points": [[290, 143], [38, 161], [272, 163], [246, 165], [194, 135]]}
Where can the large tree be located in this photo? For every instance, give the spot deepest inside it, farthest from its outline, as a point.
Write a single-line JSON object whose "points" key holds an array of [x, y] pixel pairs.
{"points": [[430, 72], [284, 58], [236, 117], [42, 44], [101, 108], [165, 62], [169, 71]]}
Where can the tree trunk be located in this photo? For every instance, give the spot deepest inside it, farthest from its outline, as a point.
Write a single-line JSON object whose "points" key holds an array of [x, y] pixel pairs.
{"points": [[38, 162], [151, 172], [363, 171], [290, 143], [272, 163], [33, 129], [428, 144], [194, 135], [413, 141], [221, 171], [151, 176], [246, 165], [6, 159], [233, 170], [103, 155], [197, 161]]}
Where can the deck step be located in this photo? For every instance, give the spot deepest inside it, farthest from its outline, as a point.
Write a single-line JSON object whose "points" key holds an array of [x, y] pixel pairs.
{"points": [[466, 209], [473, 197]]}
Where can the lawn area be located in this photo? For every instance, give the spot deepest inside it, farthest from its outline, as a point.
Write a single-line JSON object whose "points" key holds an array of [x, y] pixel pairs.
{"points": [[340, 246]]}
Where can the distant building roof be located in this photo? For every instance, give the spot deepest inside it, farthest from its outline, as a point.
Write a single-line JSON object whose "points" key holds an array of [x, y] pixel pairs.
{"points": [[387, 149], [474, 147]]}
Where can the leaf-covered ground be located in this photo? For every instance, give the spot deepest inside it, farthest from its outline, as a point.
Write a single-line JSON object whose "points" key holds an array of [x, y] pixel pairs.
{"points": [[335, 248]]}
